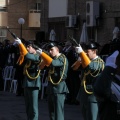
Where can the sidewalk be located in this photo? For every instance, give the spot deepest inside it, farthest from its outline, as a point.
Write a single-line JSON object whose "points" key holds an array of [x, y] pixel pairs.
{"points": [[13, 108]]}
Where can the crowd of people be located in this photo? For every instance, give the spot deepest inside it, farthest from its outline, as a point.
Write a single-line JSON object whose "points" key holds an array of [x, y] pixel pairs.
{"points": [[75, 74]]}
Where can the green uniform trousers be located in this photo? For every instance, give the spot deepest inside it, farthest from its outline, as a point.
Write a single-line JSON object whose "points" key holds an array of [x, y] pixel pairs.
{"points": [[88, 105], [90, 111], [31, 102], [56, 106]]}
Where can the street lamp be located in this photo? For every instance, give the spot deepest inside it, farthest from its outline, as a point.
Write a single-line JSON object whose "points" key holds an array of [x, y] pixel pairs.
{"points": [[21, 21]]}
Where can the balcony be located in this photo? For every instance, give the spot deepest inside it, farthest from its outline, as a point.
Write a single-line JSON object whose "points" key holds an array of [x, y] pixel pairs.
{"points": [[34, 18], [3, 19]]}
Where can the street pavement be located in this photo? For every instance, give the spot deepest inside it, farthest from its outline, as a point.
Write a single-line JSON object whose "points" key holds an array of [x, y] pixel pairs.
{"points": [[12, 107]]}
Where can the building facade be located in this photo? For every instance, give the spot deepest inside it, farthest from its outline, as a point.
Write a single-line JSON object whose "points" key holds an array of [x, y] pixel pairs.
{"points": [[104, 15], [64, 16], [22, 17]]}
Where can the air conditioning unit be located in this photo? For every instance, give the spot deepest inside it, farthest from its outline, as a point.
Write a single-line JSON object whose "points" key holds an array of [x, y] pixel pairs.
{"points": [[92, 12], [34, 18], [70, 21]]}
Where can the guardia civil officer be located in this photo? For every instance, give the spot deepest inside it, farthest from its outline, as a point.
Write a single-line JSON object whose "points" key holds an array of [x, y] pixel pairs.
{"points": [[57, 88], [92, 66], [31, 82]]}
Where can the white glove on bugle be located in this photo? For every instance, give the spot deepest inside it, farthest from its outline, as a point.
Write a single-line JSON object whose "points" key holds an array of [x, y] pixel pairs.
{"points": [[78, 49], [39, 51], [17, 41]]}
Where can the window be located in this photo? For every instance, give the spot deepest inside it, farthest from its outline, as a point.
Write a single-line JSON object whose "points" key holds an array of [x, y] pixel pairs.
{"points": [[2, 3], [38, 6], [57, 8], [3, 34]]}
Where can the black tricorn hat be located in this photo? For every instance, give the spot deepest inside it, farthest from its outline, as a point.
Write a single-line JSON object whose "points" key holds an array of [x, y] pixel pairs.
{"points": [[52, 44], [28, 43], [92, 45], [31, 43]]}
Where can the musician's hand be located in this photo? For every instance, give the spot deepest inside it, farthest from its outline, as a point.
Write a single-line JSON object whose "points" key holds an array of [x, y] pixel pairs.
{"points": [[111, 60], [77, 64], [78, 49], [17, 41], [39, 51]]}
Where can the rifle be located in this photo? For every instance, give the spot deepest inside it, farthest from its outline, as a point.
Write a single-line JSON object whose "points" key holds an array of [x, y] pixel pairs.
{"points": [[13, 34], [73, 41]]}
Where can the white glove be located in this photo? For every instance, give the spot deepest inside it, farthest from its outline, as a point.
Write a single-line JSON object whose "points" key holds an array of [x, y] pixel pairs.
{"points": [[111, 60], [78, 49], [17, 41], [39, 51]]}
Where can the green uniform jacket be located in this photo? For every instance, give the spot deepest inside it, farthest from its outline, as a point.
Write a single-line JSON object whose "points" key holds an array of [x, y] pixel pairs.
{"points": [[33, 69], [58, 67], [95, 68]]}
